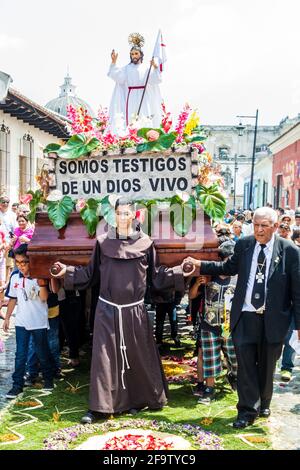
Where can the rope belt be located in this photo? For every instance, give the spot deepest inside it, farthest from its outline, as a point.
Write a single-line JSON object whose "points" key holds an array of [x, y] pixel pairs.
{"points": [[122, 339], [127, 100]]}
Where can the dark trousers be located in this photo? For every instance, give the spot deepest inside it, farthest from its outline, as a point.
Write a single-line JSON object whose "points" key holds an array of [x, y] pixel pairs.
{"points": [[53, 342], [41, 346], [288, 353], [161, 311], [70, 317], [256, 365]]}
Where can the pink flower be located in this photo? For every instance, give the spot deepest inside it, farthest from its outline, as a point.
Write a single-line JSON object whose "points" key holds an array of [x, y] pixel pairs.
{"points": [[26, 198], [80, 120], [166, 122], [199, 147], [140, 215], [81, 203], [132, 135], [103, 118], [183, 117], [152, 135], [109, 140]]}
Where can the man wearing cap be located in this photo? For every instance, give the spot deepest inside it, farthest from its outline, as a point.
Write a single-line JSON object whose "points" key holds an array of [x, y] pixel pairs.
{"points": [[286, 219], [266, 299], [130, 85]]}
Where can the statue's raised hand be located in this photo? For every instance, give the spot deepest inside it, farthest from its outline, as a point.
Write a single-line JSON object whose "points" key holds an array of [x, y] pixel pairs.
{"points": [[114, 56]]}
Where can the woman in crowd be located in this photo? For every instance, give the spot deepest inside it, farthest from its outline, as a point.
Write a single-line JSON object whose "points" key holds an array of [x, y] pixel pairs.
{"points": [[23, 233]]}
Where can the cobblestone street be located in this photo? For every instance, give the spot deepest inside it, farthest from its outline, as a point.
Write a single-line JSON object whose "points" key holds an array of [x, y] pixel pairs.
{"points": [[7, 361], [285, 419]]}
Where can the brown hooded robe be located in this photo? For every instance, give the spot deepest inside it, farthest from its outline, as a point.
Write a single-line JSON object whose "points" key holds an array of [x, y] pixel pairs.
{"points": [[122, 267]]}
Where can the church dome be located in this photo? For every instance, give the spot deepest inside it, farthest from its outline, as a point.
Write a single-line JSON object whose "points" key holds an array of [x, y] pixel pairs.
{"points": [[66, 97]]}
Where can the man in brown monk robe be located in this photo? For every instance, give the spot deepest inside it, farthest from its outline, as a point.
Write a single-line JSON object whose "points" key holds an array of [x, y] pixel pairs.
{"points": [[126, 371]]}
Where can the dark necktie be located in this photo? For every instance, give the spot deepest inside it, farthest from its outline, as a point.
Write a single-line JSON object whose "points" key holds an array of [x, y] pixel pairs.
{"points": [[258, 292]]}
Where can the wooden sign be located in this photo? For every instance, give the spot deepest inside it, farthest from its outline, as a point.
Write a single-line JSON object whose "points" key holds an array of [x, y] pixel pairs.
{"points": [[139, 176]]}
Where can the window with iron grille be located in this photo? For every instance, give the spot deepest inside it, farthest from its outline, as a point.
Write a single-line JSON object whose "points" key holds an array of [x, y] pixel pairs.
{"points": [[27, 169], [4, 157]]}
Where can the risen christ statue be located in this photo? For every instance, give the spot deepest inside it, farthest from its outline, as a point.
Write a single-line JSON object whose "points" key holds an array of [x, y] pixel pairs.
{"points": [[130, 85]]}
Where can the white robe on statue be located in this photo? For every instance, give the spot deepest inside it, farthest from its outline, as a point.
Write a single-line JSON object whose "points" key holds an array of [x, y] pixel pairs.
{"points": [[125, 100]]}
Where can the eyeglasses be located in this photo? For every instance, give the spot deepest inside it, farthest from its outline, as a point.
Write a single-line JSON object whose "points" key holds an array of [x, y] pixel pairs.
{"points": [[22, 263], [4, 202], [284, 227]]}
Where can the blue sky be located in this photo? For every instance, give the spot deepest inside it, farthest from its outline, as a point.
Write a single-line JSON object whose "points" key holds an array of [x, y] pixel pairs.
{"points": [[225, 57]]}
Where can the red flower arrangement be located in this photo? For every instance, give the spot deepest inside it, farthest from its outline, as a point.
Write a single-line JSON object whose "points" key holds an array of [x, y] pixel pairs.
{"points": [[81, 121], [182, 119], [166, 122], [137, 442]]}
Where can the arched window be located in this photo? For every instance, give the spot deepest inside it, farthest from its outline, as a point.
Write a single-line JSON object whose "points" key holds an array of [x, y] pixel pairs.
{"points": [[26, 164], [223, 153]]}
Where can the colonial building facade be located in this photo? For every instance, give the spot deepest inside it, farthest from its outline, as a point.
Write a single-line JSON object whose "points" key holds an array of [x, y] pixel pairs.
{"points": [[286, 168], [25, 129], [234, 153]]}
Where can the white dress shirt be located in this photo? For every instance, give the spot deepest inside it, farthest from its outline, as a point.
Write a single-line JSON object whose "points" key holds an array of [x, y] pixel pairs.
{"points": [[268, 251]]}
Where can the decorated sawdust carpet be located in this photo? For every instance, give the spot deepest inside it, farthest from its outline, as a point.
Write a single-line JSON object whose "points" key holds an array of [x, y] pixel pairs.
{"points": [[135, 439], [179, 370], [133, 434]]}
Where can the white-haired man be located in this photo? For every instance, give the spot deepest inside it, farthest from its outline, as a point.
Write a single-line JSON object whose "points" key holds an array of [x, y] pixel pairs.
{"points": [[266, 298]]}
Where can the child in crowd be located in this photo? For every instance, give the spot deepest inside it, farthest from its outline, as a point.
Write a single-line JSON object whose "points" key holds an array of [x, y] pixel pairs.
{"points": [[2, 266], [29, 296], [213, 331], [32, 368]]}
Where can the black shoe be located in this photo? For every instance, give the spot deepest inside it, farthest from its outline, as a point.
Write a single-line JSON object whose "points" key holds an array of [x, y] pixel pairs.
{"points": [[29, 381], [265, 413], [13, 393], [155, 408], [92, 416], [240, 423], [232, 380], [133, 411], [177, 343], [88, 418], [58, 374], [49, 386], [199, 389], [208, 396]]}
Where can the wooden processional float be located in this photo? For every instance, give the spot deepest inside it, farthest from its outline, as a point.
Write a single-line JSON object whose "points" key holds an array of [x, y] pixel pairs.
{"points": [[143, 177]]}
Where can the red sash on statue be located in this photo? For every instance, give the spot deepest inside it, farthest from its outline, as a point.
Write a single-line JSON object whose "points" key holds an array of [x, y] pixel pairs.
{"points": [[127, 100]]}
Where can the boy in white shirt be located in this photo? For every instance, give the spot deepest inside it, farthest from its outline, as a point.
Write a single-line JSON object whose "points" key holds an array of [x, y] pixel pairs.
{"points": [[30, 297]]}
